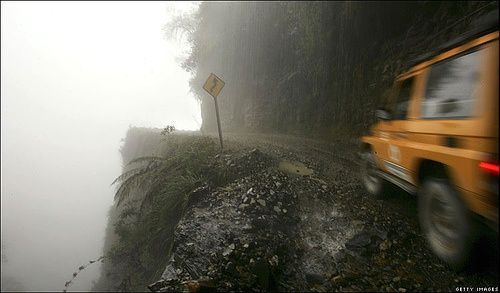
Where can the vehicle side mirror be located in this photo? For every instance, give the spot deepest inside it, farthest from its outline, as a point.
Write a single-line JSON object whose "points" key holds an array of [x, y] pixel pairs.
{"points": [[383, 114]]}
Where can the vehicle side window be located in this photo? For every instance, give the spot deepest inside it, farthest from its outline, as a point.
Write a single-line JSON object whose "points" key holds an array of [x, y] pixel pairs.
{"points": [[451, 88], [401, 110]]}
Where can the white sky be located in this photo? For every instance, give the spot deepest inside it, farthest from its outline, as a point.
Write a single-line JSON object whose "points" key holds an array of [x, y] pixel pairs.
{"points": [[74, 76]]}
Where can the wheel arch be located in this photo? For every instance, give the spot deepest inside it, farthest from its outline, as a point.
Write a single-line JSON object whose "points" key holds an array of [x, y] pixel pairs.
{"points": [[431, 168], [366, 146]]}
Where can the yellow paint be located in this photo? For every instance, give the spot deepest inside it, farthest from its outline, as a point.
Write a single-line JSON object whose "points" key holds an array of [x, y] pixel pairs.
{"points": [[213, 85], [419, 139]]}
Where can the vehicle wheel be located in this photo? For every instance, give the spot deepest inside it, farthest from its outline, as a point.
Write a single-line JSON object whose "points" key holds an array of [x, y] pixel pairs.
{"points": [[369, 173], [445, 222]]}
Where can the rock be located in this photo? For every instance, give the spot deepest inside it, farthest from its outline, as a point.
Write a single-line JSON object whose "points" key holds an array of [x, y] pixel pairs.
{"points": [[277, 209], [356, 222], [385, 245], [262, 202], [401, 289], [157, 286], [274, 260], [250, 190], [252, 201], [169, 273], [313, 278], [396, 279], [358, 241], [228, 250], [284, 211], [336, 279]]}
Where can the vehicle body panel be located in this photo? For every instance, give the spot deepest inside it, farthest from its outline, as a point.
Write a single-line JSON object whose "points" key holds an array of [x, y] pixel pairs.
{"points": [[460, 144]]}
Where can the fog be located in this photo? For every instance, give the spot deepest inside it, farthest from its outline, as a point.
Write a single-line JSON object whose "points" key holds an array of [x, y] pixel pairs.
{"points": [[74, 77]]}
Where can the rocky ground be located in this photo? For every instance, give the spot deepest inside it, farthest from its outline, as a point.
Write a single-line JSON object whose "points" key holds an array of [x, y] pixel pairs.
{"points": [[296, 218]]}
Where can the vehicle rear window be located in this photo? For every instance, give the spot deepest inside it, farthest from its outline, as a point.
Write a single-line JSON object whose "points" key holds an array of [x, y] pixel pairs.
{"points": [[451, 88]]}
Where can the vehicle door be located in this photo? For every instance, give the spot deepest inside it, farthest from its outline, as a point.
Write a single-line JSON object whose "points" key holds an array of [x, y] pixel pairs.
{"points": [[397, 160]]}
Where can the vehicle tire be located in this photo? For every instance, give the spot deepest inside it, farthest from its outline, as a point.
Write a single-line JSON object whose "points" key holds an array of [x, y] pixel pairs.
{"points": [[373, 183], [446, 222]]}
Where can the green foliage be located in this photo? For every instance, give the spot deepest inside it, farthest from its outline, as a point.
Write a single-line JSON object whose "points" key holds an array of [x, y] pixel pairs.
{"points": [[168, 129], [80, 268], [152, 196], [309, 66]]}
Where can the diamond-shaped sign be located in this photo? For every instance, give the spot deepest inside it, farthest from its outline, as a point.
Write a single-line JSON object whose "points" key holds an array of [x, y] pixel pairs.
{"points": [[213, 85]]}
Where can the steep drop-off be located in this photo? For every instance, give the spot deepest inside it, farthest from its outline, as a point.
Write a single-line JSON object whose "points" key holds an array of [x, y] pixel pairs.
{"points": [[271, 213]]}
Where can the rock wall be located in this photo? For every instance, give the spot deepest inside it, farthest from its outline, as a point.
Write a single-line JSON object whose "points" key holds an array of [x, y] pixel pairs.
{"points": [[315, 67]]}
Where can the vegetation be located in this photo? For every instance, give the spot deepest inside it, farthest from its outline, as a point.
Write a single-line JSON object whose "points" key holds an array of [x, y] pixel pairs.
{"points": [[310, 66], [153, 193], [168, 129], [80, 269], [313, 67]]}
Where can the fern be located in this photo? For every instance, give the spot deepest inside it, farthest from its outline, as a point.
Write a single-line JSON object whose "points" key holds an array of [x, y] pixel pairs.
{"points": [[151, 174], [148, 159], [153, 193]]}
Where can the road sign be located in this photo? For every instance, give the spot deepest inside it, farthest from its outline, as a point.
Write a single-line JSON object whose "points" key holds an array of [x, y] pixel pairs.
{"points": [[213, 85]]}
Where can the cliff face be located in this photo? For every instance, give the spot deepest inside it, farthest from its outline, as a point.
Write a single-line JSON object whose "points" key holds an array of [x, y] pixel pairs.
{"points": [[116, 271], [270, 213], [315, 67], [160, 174]]}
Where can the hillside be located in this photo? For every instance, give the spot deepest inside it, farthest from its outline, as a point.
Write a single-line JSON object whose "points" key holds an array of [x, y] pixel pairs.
{"points": [[310, 67], [282, 207], [272, 212]]}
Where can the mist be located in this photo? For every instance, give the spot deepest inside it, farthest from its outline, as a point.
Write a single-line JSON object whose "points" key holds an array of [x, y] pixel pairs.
{"points": [[74, 77]]}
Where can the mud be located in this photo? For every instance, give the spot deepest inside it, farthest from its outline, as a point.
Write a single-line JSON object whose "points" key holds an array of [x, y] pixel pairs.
{"points": [[298, 219]]}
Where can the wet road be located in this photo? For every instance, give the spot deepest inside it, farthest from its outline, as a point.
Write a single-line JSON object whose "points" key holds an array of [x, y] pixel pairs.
{"points": [[296, 218]]}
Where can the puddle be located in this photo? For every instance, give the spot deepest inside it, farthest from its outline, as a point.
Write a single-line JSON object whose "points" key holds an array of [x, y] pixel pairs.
{"points": [[296, 168]]}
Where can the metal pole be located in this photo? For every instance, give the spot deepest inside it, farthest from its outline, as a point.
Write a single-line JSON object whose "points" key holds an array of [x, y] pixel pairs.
{"points": [[218, 122]]}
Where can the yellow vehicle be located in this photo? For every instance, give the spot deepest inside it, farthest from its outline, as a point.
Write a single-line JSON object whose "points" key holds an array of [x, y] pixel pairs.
{"points": [[437, 137]]}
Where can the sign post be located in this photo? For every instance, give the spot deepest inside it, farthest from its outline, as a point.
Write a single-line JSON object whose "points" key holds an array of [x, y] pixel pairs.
{"points": [[213, 86]]}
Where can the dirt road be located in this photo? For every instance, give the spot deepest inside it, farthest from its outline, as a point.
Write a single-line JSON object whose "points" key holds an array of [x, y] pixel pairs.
{"points": [[298, 219]]}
